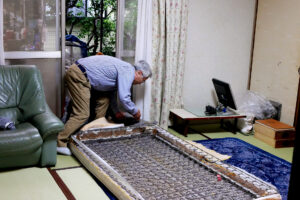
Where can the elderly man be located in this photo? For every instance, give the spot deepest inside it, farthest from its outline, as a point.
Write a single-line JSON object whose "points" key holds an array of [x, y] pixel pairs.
{"points": [[110, 77]]}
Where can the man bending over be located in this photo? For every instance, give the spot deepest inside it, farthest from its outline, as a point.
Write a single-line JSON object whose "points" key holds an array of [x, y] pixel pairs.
{"points": [[110, 77]]}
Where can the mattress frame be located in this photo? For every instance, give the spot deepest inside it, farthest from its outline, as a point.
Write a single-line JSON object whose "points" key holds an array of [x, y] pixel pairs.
{"points": [[123, 190]]}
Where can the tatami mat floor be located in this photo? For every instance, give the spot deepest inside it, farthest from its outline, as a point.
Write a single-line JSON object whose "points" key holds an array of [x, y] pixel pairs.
{"points": [[36, 183], [83, 186]]}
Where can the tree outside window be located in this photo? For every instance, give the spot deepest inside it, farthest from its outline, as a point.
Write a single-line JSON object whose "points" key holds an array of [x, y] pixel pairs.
{"points": [[94, 22]]}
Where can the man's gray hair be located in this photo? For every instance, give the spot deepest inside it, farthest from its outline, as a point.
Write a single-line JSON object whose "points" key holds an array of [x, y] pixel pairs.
{"points": [[144, 67]]}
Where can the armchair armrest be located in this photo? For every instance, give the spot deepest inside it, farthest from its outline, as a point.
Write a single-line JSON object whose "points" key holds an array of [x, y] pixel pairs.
{"points": [[47, 123]]}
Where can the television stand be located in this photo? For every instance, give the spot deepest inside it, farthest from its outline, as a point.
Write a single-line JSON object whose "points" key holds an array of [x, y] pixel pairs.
{"points": [[182, 119]]}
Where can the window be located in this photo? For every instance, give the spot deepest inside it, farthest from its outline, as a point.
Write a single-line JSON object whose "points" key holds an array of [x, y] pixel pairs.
{"points": [[93, 22], [126, 37], [30, 25], [105, 25], [32, 35]]}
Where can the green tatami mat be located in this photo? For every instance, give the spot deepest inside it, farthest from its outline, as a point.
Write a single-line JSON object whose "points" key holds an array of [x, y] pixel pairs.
{"points": [[191, 136], [81, 184], [195, 130], [66, 162], [29, 184]]}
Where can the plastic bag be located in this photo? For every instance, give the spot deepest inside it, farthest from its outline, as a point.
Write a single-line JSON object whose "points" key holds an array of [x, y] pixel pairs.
{"points": [[254, 106]]}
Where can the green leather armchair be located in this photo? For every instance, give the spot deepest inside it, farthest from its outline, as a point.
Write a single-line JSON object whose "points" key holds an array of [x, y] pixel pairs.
{"points": [[22, 100]]}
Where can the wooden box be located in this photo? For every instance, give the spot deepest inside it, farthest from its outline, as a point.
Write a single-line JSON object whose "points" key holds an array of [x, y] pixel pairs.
{"points": [[274, 133]]}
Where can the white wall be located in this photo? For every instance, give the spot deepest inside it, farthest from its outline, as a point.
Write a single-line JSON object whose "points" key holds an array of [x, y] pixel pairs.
{"points": [[219, 44], [277, 54]]}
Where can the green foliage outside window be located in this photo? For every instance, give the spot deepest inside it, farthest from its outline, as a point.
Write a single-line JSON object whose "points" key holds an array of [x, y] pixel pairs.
{"points": [[96, 22]]}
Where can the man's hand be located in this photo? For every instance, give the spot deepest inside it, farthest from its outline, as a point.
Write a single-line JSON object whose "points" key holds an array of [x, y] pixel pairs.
{"points": [[137, 115], [120, 116]]}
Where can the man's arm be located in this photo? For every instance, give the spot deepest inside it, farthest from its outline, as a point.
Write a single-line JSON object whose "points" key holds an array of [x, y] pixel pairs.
{"points": [[125, 80]]}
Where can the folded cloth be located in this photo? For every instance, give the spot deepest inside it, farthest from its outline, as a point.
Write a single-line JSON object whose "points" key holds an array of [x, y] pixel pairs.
{"points": [[100, 123], [6, 124], [209, 151]]}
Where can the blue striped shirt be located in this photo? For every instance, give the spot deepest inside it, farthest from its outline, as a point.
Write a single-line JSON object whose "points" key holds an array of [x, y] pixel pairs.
{"points": [[107, 73]]}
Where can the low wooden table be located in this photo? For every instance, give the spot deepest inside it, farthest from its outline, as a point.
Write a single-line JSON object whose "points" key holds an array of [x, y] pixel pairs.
{"points": [[182, 119]]}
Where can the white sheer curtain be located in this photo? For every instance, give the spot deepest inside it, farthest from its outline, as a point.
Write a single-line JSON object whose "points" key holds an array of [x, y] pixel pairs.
{"points": [[142, 93], [2, 62], [126, 30]]}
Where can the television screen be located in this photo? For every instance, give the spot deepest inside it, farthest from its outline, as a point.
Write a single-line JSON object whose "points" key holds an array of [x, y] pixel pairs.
{"points": [[224, 94]]}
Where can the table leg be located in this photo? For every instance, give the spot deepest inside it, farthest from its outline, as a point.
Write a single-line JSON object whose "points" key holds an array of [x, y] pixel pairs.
{"points": [[235, 125], [182, 127], [228, 126], [222, 123], [186, 128]]}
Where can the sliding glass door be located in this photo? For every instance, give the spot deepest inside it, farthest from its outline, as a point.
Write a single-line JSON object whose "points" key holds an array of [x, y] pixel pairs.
{"points": [[32, 35]]}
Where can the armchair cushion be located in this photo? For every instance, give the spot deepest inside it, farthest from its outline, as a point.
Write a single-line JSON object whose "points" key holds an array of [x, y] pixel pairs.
{"points": [[23, 140], [13, 114]]}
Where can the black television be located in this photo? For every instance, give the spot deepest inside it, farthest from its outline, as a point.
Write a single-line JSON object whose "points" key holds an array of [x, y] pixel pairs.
{"points": [[224, 94]]}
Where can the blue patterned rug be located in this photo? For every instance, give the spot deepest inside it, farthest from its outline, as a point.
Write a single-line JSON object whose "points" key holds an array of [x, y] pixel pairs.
{"points": [[256, 161]]}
